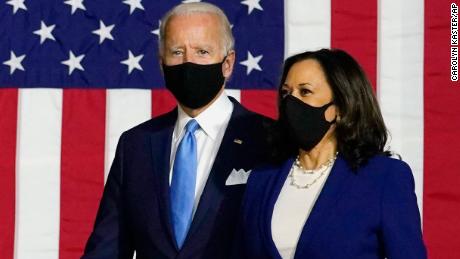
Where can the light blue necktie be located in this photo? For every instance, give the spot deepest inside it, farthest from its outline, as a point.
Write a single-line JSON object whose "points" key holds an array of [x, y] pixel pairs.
{"points": [[183, 183]]}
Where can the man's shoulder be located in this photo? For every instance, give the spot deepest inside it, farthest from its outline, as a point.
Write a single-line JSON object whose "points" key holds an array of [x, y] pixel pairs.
{"points": [[155, 124]]}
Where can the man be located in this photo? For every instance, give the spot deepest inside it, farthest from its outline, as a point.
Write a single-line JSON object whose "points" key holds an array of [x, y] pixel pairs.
{"points": [[176, 183]]}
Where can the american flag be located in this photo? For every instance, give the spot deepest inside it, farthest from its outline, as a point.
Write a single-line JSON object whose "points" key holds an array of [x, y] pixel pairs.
{"points": [[75, 74]]}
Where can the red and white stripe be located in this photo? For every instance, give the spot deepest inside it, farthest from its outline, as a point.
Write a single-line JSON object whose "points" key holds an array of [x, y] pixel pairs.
{"points": [[441, 195], [56, 145]]}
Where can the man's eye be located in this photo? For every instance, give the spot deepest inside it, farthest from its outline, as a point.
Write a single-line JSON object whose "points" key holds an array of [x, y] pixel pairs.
{"points": [[203, 52], [176, 52]]}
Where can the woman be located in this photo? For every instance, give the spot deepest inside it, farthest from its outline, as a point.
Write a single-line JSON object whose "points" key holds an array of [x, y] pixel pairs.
{"points": [[336, 193]]}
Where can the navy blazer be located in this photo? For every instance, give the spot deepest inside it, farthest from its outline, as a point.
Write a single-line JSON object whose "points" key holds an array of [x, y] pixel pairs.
{"points": [[371, 213], [134, 213]]}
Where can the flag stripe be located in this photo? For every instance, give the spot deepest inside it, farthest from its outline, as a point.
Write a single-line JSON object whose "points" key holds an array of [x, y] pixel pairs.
{"points": [[260, 101], [38, 174], [400, 75], [442, 144], [82, 166], [354, 29], [235, 93], [8, 123], [308, 25], [125, 109], [162, 101]]}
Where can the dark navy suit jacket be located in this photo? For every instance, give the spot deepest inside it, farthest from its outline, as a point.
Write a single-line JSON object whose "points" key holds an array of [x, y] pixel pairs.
{"points": [[134, 213], [371, 213]]}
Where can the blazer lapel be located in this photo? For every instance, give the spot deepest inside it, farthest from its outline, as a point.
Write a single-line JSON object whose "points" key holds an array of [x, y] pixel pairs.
{"points": [[161, 151], [339, 178], [270, 197]]}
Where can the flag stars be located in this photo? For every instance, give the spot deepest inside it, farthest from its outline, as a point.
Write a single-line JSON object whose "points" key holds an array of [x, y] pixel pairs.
{"points": [[15, 62], [104, 32], [73, 62], [252, 63], [252, 4], [157, 31], [132, 62], [45, 32], [76, 4], [17, 4], [133, 5]]}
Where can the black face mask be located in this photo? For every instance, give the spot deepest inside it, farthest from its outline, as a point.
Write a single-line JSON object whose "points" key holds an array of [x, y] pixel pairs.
{"points": [[305, 124], [192, 84]]}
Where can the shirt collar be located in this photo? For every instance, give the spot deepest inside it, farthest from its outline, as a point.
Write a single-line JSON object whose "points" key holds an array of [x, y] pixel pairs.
{"points": [[210, 120]]}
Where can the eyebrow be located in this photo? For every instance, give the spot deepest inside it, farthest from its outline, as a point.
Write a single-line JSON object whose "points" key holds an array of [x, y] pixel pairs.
{"points": [[204, 46], [301, 84], [304, 84], [175, 47]]}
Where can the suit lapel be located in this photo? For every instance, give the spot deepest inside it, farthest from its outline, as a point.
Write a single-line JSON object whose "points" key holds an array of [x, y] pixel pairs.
{"points": [[161, 151], [339, 179], [223, 164]]}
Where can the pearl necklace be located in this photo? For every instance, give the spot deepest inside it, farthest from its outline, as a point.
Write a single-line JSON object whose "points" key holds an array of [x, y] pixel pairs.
{"points": [[323, 168]]}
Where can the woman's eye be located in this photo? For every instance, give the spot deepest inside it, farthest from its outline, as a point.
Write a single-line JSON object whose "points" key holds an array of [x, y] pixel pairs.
{"points": [[304, 92]]}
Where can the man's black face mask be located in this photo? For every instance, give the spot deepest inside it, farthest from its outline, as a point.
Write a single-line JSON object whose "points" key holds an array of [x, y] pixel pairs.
{"points": [[194, 85]]}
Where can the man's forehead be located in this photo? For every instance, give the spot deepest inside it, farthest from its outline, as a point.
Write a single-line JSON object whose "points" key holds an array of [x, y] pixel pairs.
{"points": [[194, 15], [195, 45], [191, 28], [193, 19]]}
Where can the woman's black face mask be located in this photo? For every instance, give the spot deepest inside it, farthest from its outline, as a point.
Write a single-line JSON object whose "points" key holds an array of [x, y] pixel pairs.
{"points": [[305, 124]]}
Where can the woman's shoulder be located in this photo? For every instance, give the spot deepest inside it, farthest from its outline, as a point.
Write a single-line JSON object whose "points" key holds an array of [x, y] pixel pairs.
{"points": [[386, 162], [387, 173], [382, 166]]}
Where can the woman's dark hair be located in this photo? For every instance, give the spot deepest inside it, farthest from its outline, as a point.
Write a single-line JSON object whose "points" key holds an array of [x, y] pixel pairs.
{"points": [[360, 131]]}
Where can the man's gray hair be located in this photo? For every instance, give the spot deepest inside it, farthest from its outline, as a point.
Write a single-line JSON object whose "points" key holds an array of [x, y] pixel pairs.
{"points": [[199, 7]]}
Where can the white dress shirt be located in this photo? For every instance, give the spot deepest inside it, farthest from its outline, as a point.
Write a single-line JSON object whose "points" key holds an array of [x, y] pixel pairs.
{"points": [[292, 209], [213, 122]]}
